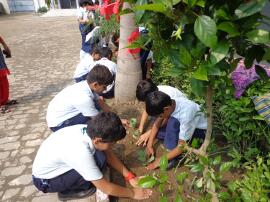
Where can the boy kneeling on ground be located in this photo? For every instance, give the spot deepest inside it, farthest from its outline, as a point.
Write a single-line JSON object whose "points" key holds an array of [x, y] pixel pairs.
{"points": [[70, 160], [178, 121]]}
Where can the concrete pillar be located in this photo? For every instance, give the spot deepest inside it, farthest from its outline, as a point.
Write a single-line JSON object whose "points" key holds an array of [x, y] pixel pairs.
{"points": [[5, 6]]}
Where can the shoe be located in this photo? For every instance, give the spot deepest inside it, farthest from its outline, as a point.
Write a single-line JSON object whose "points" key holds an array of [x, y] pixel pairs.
{"points": [[65, 196]]}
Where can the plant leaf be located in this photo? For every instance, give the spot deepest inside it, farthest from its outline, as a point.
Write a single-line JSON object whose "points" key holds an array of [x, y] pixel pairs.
{"points": [[198, 87], [181, 177], [217, 160], [199, 183], [197, 168], [178, 198], [261, 72], [133, 122], [163, 199], [205, 29], [219, 52], [224, 196], [157, 7], [184, 56], [249, 8], [201, 73], [210, 184], [228, 27], [139, 13], [258, 36], [147, 182], [141, 155], [225, 167], [203, 160], [163, 164]]}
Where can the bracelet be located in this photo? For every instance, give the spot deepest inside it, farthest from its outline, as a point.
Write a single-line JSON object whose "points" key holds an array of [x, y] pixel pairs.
{"points": [[129, 176]]}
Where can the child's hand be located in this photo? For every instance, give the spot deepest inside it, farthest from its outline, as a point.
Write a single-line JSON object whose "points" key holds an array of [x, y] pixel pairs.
{"points": [[153, 165], [149, 150], [134, 182], [125, 123], [143, 139], [140, 194]]}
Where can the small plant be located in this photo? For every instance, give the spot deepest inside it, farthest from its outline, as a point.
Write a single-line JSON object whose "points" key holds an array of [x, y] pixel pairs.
{"points": [[143, 157], [160, 180], [133, 122], [209, 180], [42, 10]]}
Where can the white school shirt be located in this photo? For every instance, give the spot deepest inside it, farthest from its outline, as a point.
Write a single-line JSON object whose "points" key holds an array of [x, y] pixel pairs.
{"points": [[111, 66], [189, 116], [71, 101], [85, 14], [84, 66], [151, 56], [171, 91], [66, 149]]}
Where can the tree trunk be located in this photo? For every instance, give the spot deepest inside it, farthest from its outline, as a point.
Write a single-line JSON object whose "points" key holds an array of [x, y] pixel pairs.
{"points": [[128, 66]]}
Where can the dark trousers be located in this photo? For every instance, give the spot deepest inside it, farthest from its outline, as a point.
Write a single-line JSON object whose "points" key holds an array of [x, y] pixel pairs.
{"points": [[78, 119], [81, 78], [69, 181], [169, 133]]}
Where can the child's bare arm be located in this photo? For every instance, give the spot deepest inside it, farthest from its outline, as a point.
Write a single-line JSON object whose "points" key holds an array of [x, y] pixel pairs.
{"points": [[153, 133], [136, 193], [170, 155], [103, 105], [5, 45], [119, 191], [115, 162], [143, 121]]}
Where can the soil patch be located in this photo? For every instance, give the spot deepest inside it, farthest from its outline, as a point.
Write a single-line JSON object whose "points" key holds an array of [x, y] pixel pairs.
{"points": [[127, 151]]}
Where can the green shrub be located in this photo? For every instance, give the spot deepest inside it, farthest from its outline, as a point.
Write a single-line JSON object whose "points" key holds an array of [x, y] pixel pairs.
{"points": [[239, 122], [255, 185], [42, 10]]}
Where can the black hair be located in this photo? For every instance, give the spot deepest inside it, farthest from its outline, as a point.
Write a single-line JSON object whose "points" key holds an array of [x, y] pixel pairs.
{"points": [[156, 101], [105, 52], [96, 50], [145, 87], [115, 39], [83, 3], [100, 74], [107, 126]]}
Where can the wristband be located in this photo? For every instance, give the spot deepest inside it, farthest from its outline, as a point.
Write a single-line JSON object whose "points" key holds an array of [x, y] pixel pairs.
{"points": [[129, 176]]}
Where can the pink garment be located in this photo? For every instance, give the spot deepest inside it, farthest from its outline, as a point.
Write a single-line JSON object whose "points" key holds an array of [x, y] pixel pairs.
{"points": [[243, 77]]}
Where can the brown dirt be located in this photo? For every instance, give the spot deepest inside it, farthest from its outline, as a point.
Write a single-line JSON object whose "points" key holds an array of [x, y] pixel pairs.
{"points": [[127, 151]]}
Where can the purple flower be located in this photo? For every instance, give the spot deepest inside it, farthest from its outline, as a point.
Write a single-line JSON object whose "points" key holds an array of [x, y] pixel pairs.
{"points": [[242, 77]]}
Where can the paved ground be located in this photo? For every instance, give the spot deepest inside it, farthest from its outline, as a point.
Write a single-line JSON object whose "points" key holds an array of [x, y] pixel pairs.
{"points": [[45, 52]]}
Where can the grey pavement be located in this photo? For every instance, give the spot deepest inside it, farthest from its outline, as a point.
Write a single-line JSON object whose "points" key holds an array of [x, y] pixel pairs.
{"points": [[45, 52]]}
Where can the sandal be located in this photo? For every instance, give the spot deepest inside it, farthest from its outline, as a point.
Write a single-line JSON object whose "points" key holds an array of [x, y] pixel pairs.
{"points": [[4, 109], [11, 102]]}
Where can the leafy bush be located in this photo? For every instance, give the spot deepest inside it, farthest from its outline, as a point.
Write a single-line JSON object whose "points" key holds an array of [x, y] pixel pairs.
{"points": [[239, 122], [255, 185], [42, 10]]}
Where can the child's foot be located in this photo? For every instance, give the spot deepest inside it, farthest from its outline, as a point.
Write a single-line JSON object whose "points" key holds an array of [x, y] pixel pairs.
{"points": [[4, 109], [65, 196], [11, 102]]}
